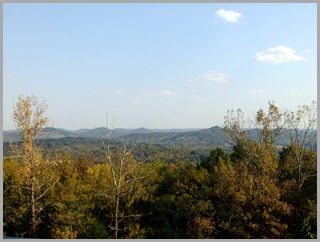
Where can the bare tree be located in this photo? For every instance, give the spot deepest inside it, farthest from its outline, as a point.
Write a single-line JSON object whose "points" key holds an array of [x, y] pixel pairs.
{"points": [[29, 116], [302, 134], [126, 175]]}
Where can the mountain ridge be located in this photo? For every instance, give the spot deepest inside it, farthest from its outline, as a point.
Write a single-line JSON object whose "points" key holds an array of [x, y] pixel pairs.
{"points": [[56, 133], [213, 136]]}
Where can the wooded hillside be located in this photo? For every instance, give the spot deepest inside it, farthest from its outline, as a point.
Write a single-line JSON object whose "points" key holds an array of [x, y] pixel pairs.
{"points": [[120, 187]]}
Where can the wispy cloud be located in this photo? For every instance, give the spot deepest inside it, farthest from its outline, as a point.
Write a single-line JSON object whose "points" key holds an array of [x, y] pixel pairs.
{"points": [[278, 55], [216, 77], [212, 77], [168, 93], [229, 16], [258, 91]]}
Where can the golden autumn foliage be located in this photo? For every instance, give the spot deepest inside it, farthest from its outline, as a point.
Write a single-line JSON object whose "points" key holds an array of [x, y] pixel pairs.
{"points": [[29, 116], [257, 190]]}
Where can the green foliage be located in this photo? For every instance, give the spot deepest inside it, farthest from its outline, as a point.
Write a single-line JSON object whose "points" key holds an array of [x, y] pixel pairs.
{"points": [[15, 207], [97, 231], [181, 204], [309, 222], [216, 155]]}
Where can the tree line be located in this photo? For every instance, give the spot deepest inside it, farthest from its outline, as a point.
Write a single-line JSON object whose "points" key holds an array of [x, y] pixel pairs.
{"points": [[254, 191]]}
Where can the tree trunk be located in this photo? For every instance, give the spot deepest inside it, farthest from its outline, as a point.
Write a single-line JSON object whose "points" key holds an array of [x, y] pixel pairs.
{"points": [[32, 229], [116, 219]]}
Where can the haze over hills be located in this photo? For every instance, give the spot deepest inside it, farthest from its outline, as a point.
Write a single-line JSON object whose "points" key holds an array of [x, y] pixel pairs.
{"points": [[54, 133], [213, 136]]}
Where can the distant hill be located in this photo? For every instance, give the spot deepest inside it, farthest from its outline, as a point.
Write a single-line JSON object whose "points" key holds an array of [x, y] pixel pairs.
{"points": [[213, 136], [152, 137], [89, 133], [12, 135], [119, 132], [53, 133], [46, 133]]}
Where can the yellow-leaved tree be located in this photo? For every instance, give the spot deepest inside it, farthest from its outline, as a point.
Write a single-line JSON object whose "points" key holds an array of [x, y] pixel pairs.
{"points": [[30, 117]]}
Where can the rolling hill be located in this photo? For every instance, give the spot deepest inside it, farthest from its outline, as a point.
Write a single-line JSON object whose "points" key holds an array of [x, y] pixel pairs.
{"points": [[213, 136], [53, 133]]}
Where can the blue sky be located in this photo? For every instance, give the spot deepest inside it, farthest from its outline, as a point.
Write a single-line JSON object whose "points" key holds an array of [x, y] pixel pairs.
{"points": [[158, 65]]}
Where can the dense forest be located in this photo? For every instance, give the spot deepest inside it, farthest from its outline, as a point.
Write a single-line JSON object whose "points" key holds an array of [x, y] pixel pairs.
{"points": [[83, 188]]}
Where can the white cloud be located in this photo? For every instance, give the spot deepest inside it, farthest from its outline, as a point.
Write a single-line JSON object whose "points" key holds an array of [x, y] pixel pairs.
{"points": [[216, 77], [278, 55], [258, 91], [229, 16], [168, 93], [212, 77]]}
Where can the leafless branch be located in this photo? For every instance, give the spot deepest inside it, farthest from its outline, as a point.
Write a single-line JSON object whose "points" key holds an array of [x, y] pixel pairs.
{"points": [[46, 191]]}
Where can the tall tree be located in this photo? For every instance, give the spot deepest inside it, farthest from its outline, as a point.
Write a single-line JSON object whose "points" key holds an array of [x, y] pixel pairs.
{"points": [[302, 135], [292, 175], [272, 125], [245, 148], [126, 179], [29, 116]]}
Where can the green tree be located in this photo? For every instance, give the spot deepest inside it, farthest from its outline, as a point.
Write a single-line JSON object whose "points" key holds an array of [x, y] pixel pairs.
{"points": [[15, 204], [70, 214], [213, 159], [181, 204], [302, 198]]}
